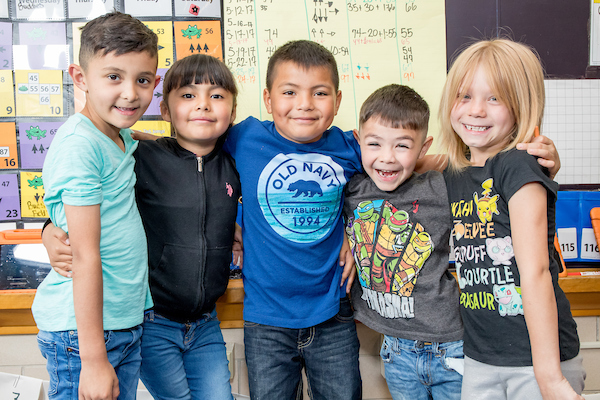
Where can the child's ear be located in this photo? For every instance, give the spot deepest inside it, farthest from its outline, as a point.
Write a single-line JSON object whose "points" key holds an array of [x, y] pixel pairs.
{"points": [[232, 115], [338, 101], [78, 75], [356, 135], [267, 100], [157, 81], [164, 111], [426, 146]]}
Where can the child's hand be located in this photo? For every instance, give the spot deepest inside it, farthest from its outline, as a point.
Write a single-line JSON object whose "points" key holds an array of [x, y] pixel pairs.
{"points": [[138, 135], [543, 147], [347, 261], [98, 382], [559, 391], [238, 247], [56, 242]]}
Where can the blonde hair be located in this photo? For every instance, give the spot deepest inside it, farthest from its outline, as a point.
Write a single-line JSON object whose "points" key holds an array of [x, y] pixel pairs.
{"points": [[516, 78]]}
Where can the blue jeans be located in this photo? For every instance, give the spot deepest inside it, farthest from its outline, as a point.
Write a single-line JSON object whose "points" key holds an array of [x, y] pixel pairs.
{"points": [[416, 370], [61, 351], [185, 360], [328, 352]]}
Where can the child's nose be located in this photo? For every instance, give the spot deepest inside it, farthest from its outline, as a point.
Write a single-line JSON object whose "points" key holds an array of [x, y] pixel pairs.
{"points": [[129, 91], [477, 107], [203, 103], [388, 155], [305, 101]]}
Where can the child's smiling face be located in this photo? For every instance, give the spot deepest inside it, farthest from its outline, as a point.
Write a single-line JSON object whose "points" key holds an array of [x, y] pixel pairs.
{"points": [[389, 155], [303, 102], [484, 123]]}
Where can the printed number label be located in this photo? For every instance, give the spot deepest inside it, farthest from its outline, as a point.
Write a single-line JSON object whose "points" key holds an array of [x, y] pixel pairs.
{"points": [[589, 247], [4, 152], [306, 221], [567, 238]]}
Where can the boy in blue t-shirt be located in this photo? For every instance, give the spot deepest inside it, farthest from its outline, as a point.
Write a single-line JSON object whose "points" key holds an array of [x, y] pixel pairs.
{"points": [[90, 341], [293, 172]]}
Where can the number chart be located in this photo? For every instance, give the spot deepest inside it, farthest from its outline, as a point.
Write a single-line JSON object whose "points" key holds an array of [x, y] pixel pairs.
{"points": [[375, 43], [39, 93]]}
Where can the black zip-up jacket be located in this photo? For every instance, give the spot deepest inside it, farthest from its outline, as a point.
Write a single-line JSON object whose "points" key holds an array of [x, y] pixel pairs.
{"points": [[188, 206]]}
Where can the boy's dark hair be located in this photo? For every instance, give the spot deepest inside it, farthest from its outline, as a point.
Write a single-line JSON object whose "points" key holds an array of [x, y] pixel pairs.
{"points": [[397, 106], [116, 32], [196, 69], [307, 55]]}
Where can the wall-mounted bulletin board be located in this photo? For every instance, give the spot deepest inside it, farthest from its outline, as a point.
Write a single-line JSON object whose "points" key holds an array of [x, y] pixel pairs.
{"points": [[375, 42]]}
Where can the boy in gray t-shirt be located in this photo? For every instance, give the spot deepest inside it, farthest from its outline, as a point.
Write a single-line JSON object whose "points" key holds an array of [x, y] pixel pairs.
{"points": [[398, 224]]}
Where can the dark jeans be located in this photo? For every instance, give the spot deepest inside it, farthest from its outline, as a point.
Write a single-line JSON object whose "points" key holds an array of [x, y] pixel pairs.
{"points": [[328, 352]]}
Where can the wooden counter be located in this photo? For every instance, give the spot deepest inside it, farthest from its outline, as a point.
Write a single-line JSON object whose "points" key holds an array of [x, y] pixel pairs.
{"points": [[15, 305]]}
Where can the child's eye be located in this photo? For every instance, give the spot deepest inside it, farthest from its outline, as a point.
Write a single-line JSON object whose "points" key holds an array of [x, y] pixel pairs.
{"points": [[402, 146], [493, 98], [217, 96], [321, 94], [374, 144], [289, 93], [143, 81], [187, 96], [113, 77]]}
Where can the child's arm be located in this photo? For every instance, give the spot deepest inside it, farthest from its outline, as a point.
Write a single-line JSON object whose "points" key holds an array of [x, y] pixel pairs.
{"points": [[543, 147], [529, 230], [347, 261], [97, 379], [56, 242]]}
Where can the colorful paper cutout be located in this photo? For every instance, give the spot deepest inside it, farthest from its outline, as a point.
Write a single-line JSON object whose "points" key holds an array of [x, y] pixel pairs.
{"points": [[34, 139], [198, 8], [148, 8], [39, 93], [164, 31], [7, 97], [9, 197], [89, 9], [32, 195], [154, 107], [159, 128], [40, 10], [193, 37], [9, 158], [6, 45]]}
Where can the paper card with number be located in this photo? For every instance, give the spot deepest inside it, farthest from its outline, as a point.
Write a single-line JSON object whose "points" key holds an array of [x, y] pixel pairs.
{"points": [[589, 247], [148, 8], [158, 128], [3, 9], [89, 9], [35, 138], [40, 10], [164, 31], [9, 197], [7, 97], [198, 8], [8, 146], [18, 387], [39, 93], [567, 237], [6, 45], [41, 46], [198, 37], [32, 195], [154, 107]]}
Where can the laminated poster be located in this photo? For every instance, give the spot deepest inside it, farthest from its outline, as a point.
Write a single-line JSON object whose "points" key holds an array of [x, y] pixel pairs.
{"points": [[7, 97], [39, 93], [154, 107], [6, 45], [148, 8], [89, 9], [198, 8], [41, 46], [9, 158], [158, 128], [40, 10], [164, 31], [375, 43], [35, 138], [198, 37], [32, 195], [9, 197]]}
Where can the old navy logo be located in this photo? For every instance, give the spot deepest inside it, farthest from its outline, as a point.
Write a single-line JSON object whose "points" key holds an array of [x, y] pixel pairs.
{"points": [[300, 195]]}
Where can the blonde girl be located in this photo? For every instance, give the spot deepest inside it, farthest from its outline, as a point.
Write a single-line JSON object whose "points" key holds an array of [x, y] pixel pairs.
{"points": [[520, 339]]}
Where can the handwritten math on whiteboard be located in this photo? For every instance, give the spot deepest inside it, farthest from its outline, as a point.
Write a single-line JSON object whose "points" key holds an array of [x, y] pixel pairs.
{"points": [[375, 42]]}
